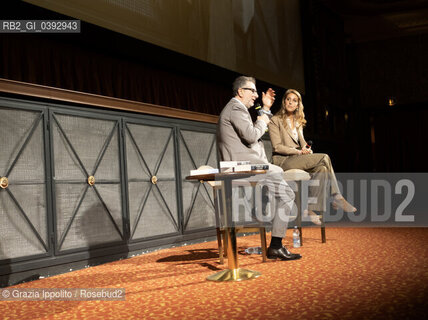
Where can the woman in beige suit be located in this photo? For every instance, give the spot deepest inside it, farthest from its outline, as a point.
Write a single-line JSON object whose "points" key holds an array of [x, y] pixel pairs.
{"points": [[290, 151]]}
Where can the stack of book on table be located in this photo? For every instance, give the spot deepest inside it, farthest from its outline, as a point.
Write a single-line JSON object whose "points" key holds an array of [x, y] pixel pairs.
{"points": [[240, 166], [203, 171], [230, 166]]}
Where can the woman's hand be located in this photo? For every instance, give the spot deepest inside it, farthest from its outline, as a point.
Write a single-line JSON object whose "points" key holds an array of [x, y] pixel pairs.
{"points": [[268, 98], [306, 150]]}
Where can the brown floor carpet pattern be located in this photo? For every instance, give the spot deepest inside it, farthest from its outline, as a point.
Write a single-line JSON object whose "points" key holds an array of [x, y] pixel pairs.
{"points": [[360, 273]]}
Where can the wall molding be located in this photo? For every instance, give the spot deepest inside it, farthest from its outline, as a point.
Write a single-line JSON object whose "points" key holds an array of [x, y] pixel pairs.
{"points": [[57, 94]]}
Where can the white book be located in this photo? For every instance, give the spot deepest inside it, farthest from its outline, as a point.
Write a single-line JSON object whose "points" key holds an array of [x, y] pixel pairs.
{"points": [[229, 164], [203, 171], [250, 167]]}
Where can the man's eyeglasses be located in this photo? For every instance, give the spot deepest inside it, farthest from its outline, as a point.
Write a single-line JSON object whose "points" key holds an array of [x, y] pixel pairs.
{"points": [[251, 89]]}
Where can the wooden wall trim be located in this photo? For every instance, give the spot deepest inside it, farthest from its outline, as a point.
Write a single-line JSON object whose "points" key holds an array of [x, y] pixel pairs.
{"points": [[57, 94]]}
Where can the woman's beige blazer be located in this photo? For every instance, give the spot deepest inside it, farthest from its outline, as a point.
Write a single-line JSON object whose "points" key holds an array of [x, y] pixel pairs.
{"points": [[282, 139]]}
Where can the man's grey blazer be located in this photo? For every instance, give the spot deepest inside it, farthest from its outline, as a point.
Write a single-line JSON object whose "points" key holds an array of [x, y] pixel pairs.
{"points": [[238, 138]]}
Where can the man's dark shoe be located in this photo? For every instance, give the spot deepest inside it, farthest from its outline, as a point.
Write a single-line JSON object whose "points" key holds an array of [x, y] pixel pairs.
{"points": [[282, 254]]}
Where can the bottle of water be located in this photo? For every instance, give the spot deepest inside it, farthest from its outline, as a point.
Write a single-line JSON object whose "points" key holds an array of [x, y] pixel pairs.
{"points": [[253, 250], [296, 237]]}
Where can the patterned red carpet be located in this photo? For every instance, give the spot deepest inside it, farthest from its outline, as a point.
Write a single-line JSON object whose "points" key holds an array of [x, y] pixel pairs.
{"points": [[360, 273]]}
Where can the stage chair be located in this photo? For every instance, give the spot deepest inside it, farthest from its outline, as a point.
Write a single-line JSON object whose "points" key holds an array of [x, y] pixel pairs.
{"points": [[298, 175]]}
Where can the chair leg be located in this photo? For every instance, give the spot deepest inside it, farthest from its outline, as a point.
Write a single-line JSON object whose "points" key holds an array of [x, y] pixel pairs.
{"points": [[263, 242], [323, 238], [299, 211], [220, 246], [225, 243], [299, 226]]}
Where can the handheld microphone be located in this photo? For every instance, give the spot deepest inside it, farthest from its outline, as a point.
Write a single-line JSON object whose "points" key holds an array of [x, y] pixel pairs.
{"points": [[261, 111], [309, 144]]}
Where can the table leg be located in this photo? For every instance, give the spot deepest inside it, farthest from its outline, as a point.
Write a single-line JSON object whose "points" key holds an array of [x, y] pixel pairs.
{"points": [[233, 273]]}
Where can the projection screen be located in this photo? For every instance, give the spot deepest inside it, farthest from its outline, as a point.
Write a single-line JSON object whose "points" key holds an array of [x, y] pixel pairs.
{"points": [[261, 38]]}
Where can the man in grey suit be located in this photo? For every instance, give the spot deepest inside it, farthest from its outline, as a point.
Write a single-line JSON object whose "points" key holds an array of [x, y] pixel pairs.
{"points": [[238, 138]]}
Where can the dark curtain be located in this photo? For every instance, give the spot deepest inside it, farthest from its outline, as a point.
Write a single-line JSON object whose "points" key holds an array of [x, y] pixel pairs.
{"points": [[53, 62], [399, 144]]}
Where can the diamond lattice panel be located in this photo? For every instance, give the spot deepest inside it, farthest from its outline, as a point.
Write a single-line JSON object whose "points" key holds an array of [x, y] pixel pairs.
{"points": [[86, 215], [23, 213], [151, 180], [197, 149]]}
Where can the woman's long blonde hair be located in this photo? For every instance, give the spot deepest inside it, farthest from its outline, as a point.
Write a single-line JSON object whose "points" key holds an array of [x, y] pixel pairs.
{"points": [[299, 115]]}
